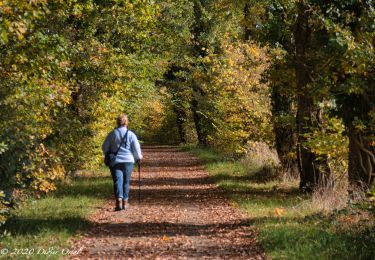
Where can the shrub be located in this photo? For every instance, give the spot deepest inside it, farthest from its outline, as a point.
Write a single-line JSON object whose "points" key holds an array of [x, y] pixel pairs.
{"points": [[261, 161], [330, 197], [4, 209]]}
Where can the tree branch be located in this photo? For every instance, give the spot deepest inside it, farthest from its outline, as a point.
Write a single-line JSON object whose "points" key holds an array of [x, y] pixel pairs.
{"points": [[362, 147], [361, 163]]}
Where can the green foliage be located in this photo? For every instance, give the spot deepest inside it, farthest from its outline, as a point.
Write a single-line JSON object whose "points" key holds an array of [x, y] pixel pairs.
{"points": [[328, 59], [159, 124], [332, 143], [222, 74], [4, 210], [214, 80], [68, 67], [240, 102]]}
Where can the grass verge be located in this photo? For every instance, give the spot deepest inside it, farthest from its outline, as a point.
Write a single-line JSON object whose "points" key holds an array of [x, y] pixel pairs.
{"points": [[290, 228], [41, 228]]}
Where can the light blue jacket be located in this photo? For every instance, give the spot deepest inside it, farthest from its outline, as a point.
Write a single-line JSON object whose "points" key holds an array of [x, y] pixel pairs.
{"points": [[130, 153]]}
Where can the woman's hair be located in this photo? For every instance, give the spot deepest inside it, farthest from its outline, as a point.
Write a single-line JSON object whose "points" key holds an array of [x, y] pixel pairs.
{"points": [[122, 120]]}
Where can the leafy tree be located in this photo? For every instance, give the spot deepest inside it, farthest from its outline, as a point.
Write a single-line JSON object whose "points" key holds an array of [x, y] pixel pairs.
{"points": [[348, 25], [66, 68], [211, 72], [327, 44], [271, 26]]}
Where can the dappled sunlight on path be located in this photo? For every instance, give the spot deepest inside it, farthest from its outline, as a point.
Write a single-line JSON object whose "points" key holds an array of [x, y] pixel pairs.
{"points": [[182, 214]]}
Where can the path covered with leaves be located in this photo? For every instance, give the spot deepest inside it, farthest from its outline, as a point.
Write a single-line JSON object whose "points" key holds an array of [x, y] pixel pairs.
{"points": [[182, 214]]}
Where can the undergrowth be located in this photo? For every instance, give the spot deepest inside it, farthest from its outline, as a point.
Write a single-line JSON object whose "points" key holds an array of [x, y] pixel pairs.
{"points": [[290, 225]]}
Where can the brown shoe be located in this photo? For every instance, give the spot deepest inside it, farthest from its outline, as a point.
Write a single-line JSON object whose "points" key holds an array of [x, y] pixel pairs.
{"points": [[118, 205], [125, 204]]}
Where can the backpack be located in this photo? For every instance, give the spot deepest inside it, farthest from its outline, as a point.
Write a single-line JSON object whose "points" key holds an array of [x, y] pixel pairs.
{"points": [[110, 158]]}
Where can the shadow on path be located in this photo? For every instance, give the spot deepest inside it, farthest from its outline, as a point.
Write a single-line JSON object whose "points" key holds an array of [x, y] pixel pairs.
{"points": [[182, 214]]}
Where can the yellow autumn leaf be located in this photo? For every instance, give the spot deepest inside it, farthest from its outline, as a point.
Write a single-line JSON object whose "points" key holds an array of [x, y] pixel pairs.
{"points": [[279, 212]]}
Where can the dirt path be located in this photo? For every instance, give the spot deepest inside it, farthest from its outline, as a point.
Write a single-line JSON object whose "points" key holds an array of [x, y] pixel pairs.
{"points": [[181, 215]]}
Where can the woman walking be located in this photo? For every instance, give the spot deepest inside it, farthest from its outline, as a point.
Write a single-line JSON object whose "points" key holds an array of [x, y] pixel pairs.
{"points": [[122, 146]]}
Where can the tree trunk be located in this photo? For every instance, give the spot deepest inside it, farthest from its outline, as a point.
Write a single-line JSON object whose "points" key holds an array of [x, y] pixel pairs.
{"points": [[286, 139], [174, 85], [361, 148], [199, 28], [181, 117], [198, 121], [313, 171], [247, 30], [361, 161]]}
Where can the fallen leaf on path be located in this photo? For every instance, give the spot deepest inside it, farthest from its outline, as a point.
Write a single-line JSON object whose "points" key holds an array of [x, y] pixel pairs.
{"points": [[279, 212]]}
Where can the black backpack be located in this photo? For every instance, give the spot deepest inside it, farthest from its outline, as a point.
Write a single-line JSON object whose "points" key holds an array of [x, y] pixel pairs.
{"points": [[110, 158]]}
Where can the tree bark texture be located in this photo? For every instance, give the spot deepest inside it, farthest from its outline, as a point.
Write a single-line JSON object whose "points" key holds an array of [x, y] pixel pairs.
{"points": [[175, 85], [285, 132], [361, 142], [198, 121], [314, 171], [361, 161], [181, 117], [199, 29]]}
